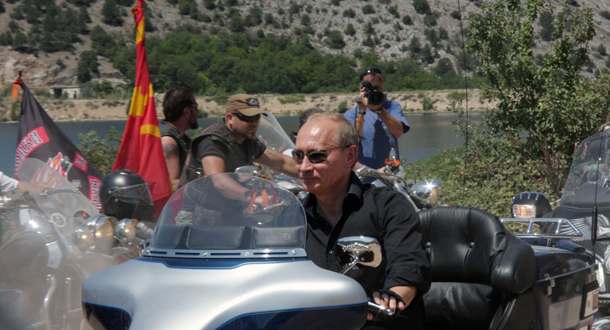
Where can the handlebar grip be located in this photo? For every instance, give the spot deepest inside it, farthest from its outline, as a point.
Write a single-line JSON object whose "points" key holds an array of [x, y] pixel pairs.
{"points": [[380, 313]]}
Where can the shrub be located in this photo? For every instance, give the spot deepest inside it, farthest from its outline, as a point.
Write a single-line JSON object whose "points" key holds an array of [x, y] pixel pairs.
{"points": [[368, 9], [342, 107], [349, 13], [422, 7], [101, 152], [427, 104], [291, 99]]}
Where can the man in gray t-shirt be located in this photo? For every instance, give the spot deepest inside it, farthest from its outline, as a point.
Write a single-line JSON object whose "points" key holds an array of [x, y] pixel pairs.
{"points": [[232, 142]]}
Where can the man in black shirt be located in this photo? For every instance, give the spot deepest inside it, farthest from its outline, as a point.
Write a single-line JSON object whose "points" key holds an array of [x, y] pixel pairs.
{"points": [[180, 112], [339, 205], [232, 142]]}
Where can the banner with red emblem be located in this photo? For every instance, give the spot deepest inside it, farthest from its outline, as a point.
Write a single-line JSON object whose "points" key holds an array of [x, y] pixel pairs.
{"points": [[39, 137]]}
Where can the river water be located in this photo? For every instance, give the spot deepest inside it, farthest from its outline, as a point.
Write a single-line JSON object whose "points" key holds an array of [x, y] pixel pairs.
{"points": [[430, 134]]}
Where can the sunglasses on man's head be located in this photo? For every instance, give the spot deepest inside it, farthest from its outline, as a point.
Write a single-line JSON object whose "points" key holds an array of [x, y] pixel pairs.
{"points": [[247, 119], [369, 71], [315, 156]]}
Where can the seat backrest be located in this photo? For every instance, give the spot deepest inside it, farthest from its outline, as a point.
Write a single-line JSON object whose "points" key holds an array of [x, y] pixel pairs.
{"points": [[474, 262], [467, 244]]}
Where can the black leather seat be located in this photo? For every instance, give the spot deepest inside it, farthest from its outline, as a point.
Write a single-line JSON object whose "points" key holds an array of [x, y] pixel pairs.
{"points": [[480, 271]]}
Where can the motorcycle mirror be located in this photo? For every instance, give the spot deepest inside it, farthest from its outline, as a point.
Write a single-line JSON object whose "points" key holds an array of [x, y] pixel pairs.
{"points": [[248, 169], [427, 191], [357, 250]]}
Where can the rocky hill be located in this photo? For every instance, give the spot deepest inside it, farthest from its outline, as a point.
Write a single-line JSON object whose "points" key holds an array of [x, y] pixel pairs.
{"points": [[346, 27]]}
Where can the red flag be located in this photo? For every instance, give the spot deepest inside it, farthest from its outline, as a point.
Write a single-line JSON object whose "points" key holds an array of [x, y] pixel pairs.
{"points": [[141, 148]]}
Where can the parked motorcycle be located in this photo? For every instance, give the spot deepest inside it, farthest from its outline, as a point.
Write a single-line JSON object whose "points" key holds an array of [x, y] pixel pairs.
{"points": [[59, 240], [585, 203], [218, 260]]}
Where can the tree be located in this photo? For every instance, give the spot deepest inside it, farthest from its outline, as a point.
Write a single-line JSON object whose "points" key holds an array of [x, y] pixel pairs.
{"points": [[350, 30], [87, 66], [187, 7], [83, 19], [415, 45], [255, 16], [368, 9], [422, 7], [209, 4], [444, 67], [2, 10], [20, 41], [13, 26], [426, 54], [102, 42], [335, 39], [111, 13], [6, 38], [547, 100], [237, 24]]}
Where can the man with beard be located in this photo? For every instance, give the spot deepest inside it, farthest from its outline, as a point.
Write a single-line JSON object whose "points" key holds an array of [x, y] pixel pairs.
{"points": [[180, 111], [231, 143]]}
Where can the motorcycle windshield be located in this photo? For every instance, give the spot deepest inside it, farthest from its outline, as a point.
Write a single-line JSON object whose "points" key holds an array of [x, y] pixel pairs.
{"points": [[56, 197], [588, 183], [230, 215], [273, 136]]}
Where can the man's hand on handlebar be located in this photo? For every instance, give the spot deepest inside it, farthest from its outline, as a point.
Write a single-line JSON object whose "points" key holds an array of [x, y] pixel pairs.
{"points": [[396, 298]]}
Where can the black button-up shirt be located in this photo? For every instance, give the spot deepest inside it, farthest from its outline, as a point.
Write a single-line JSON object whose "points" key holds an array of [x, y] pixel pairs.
{"points": [[390, 218], [375, 212]]}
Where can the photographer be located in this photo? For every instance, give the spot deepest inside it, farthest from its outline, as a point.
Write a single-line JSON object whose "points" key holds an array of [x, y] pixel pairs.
{"points": [[378, 122]]}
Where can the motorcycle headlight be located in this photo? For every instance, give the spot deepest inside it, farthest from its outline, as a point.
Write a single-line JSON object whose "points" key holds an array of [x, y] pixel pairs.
{"points": [[524, 211], [98, 232], [126, 229], [84, 236]]}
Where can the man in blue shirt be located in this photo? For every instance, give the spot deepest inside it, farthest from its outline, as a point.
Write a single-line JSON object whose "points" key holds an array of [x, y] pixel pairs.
{"points": [[378, 126]]}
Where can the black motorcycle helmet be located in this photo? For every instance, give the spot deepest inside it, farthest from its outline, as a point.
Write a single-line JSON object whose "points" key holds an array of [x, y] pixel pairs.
{"points": [[125, 194]]}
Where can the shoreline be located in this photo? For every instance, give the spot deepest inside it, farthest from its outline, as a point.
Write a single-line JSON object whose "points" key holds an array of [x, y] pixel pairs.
{"points": [[109, 109], [278, 115]]}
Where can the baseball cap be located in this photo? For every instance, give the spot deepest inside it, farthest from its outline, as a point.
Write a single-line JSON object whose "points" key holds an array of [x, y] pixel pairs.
{"points": [[245, 104]]}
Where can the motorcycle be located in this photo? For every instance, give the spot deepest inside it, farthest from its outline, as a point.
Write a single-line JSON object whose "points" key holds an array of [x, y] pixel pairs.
{"points": [[230, 259], [585, 203], [248, 256], [59, 239]]}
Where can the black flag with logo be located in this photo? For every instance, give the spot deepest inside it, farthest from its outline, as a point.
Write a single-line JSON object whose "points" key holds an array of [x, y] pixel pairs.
{"points": [[39, 137]]}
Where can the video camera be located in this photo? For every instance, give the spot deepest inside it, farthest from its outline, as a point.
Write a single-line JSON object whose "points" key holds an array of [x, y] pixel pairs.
{"points": [[372, 93]]}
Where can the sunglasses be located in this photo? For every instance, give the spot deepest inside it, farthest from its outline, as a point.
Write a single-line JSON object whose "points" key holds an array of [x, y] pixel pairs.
{"points": [[247, 119], [315, 156], [369, 71]]}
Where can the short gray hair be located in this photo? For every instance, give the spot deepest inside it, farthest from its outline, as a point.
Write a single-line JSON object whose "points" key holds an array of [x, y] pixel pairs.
{"points": [[346, 133]]}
